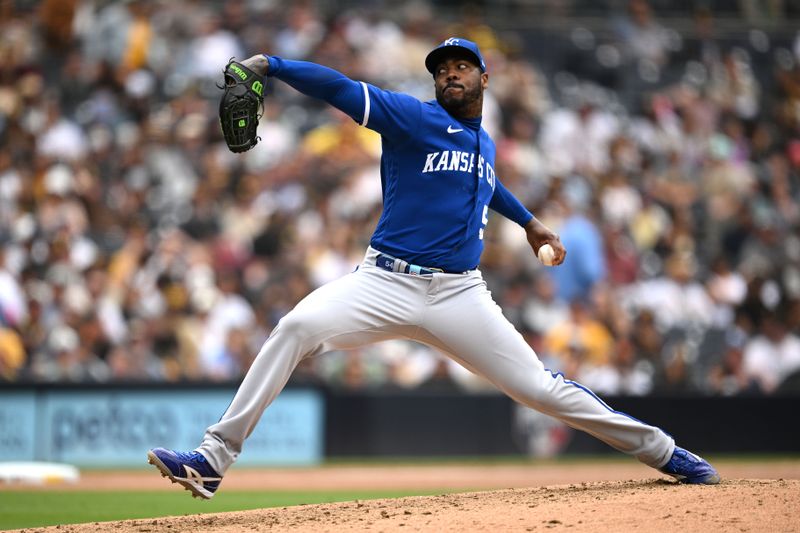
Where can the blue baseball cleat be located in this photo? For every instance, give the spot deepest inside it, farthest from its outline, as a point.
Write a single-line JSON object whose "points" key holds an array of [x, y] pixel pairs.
{"points": [[687, 467], [190, 469]]}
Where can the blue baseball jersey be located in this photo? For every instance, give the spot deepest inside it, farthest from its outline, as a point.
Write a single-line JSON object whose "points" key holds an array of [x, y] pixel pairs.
{"points": [[437, 171]]}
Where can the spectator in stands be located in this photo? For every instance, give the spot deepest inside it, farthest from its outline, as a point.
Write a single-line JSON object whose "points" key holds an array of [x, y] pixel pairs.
{"points": [[674, 374], [635, 375], [676, 299], [543, 311], [702, 45], [773, 355], [586, 265], [727, 288], [642, 37], [12, 354], [647, 340], [580, 338], [13, 305], [729, 376]]}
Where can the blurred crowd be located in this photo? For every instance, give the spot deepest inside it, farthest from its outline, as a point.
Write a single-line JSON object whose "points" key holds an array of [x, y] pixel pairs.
{"points": [[134, 246]]}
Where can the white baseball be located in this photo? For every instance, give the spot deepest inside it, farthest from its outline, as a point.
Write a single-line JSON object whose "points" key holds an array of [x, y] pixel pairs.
{"points": [[546, 254]]}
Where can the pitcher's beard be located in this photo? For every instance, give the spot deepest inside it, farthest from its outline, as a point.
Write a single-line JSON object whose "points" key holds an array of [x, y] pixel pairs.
{"points": [[454, 103]]}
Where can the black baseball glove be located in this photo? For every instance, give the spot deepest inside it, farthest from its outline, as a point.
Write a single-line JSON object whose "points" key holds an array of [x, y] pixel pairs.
{"points": [[240, 106]]}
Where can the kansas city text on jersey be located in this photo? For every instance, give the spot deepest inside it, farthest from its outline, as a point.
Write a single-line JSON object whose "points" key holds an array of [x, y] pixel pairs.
{"points": [[458, 161]]}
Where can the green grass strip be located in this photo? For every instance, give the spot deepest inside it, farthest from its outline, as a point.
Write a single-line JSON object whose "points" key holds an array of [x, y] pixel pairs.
{"points": [[22, 509]]}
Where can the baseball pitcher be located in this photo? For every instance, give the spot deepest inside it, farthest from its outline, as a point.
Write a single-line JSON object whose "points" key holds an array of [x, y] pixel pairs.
{"points": [[419, 279]]}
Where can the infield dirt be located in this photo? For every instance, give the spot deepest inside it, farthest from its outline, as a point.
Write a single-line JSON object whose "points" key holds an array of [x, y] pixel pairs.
{"points": [[630, 499]]}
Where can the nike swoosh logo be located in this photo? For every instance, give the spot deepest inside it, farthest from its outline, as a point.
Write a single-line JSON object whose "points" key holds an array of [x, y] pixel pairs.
{"points": [[451, 130]]}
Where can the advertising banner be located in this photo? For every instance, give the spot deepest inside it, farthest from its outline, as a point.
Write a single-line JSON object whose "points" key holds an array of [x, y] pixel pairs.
{"points": [[108, 428]]}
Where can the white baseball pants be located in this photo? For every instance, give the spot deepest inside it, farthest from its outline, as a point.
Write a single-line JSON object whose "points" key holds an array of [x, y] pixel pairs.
{"points": [[454, 313]]}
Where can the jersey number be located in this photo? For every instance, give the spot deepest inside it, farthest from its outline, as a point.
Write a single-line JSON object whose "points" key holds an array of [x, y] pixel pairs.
{"points": [[484, 221]]}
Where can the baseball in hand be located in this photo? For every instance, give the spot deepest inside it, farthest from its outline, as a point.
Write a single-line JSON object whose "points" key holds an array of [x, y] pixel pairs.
{"points": [[546, 254]]}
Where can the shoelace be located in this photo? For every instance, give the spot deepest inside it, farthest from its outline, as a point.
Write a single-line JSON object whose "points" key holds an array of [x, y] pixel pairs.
{"points": [[191, 456], [688, 458], [683, 460]]}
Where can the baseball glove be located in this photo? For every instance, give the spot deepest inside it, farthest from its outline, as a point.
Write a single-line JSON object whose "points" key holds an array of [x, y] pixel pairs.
{"points": [[240, 106]]}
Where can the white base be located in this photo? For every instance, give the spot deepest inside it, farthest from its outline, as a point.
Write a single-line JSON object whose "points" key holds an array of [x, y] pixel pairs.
{"points": [[38, 473]]}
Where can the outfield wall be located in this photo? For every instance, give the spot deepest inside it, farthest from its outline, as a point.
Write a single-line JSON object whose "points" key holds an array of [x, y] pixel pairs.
{"points": [[114, 427], [105, 426], [455, 424]]}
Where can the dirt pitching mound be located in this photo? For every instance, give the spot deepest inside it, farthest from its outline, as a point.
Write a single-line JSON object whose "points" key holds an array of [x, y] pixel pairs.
{"points": [[739, 505]]}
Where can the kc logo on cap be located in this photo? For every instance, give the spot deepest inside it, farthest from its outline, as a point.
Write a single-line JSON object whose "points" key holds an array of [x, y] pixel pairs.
{"points": [[447, 45]]}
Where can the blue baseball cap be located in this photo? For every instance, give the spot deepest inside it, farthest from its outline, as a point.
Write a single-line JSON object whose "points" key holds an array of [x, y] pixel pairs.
{"points": [[447, 46]]}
